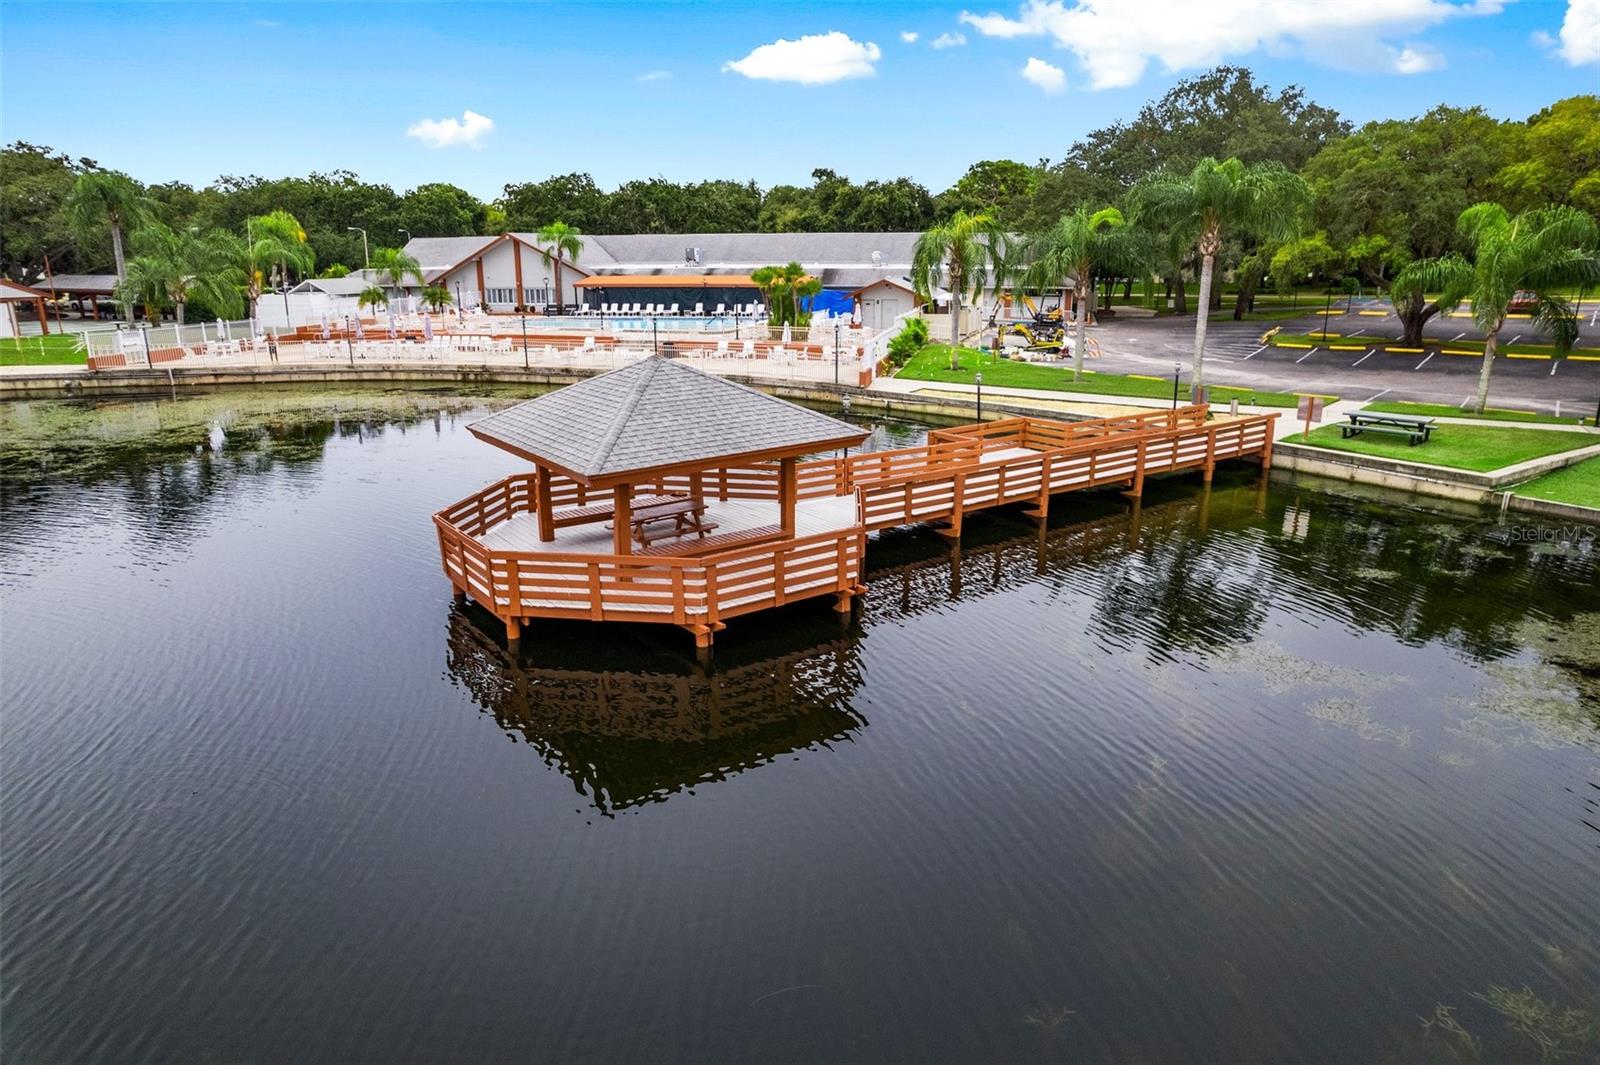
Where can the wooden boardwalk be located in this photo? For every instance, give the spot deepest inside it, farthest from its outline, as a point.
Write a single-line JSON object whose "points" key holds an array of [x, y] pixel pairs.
{"points": [[491, 552]]}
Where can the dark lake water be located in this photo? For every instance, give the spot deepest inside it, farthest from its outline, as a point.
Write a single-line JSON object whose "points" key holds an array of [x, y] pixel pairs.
{"points": [[1259, 774]]}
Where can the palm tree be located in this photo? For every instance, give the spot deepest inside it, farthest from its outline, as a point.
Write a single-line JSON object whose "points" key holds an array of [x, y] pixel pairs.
{"points": [[1540, 251], [1260, 198], [106, 198], [962, 251], [394, 265], [770, 281], [372, 296], [436, 296], [276, 240], [558, 241], [176, 265], [1069, 251]]}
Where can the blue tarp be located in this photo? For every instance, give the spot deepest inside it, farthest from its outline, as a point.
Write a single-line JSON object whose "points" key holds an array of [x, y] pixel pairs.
{"points": [[830, 300]]}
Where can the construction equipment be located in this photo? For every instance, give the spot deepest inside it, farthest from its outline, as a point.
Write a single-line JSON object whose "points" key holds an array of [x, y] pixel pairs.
{"points": [[1037, 337]]}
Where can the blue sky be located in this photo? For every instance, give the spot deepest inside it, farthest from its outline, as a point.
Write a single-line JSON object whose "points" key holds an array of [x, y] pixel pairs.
{"points": [[485, 94]]}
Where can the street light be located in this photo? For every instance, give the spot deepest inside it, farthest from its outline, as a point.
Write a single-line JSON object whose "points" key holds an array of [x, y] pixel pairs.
{"points": [[655, 346], [1177, 368], [407, 232], [366, 254], [1327, 305], [978, 377], [524, 318], [547, 296], [836, 354]]}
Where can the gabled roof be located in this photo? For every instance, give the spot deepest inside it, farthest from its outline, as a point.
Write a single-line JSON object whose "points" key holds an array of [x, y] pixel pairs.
{"points": [[657, 414], [13, 290], [615, 281], [897, 282], [349, 285]]}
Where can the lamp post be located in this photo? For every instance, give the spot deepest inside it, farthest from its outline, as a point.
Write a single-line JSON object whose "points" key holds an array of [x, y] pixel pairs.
{"points": [[836, 354], [978, 377], [1177, 368], [601, 290], [366, 254], [655, 346], [1327, 305], [524, 318], [407, 232], [547, 297], [458, 299], [349, 345]]}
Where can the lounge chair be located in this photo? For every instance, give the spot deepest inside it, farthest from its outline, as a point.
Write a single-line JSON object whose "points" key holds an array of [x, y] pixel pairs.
{"points": [[748, 351], [720, 311], [722, 349], [699, 310], [674, 310]]}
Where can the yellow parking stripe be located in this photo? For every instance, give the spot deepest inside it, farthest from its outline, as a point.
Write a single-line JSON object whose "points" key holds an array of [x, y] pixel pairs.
{"points": [[1347, 347], [1404, 351], [1375, 314], [1306, 346], [1546, 358], [1458, 351], [1584, 358]]}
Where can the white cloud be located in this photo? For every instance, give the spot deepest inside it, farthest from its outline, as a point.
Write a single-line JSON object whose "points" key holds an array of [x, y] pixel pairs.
{"points": [[909, 36], [1115, 40], [815, 59], [948, 40], [1417, 59], [467, 131], [654, 75], [1580, 33], [1051, 79]]}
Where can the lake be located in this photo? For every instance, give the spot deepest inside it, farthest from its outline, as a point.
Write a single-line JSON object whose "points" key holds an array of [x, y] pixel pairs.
{"points": [[1259, 773]]}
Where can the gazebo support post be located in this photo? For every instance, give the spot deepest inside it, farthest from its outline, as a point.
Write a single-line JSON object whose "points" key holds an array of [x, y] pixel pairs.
{"points": [[541, 503], [622, 519], [786, 494]]}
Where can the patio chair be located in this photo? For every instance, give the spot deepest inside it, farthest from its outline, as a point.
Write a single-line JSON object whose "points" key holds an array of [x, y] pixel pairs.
{"points": [[748, 351], [722, 348], [674, 310], [699, 310]]}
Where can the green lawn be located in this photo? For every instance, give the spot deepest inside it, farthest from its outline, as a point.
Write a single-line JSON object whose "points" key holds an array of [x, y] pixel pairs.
{"points": [[54, 350], [1464, 447], [1441, 410], [1267, 314], [1579, 484], [932, 363], [1336, 336]]}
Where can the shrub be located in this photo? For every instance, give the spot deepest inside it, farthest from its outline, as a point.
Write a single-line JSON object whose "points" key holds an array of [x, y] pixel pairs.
{"points": [[906, 343]]}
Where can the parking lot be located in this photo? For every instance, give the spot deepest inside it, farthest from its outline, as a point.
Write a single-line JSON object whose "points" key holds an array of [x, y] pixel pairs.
{"points": [[1236, 356]]}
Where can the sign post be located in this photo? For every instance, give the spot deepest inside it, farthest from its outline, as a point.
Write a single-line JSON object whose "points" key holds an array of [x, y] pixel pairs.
{"points": [[1310, 411]]}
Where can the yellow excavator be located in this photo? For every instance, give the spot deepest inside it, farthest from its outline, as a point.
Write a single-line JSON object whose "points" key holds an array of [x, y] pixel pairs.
{"points": [[1043, 333]]}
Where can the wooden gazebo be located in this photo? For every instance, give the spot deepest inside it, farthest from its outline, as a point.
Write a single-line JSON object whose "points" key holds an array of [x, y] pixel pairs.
{"points": [[645, 482]]}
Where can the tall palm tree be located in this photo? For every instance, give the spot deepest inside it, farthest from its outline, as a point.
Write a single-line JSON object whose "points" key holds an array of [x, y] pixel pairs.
{"points": [[559, 241], [1069, 252], [276, 241], [1540, 251], [394, 265], [106, 198], [175, 265], [962, 251], [1261, 198]]}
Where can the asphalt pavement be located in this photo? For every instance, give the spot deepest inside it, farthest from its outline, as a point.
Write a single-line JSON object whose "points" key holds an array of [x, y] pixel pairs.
{"points": [[1236, 356]]}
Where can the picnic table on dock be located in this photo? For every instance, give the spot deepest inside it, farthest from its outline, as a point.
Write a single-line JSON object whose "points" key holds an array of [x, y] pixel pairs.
{"points": [[1415, 430], [664, 518]]}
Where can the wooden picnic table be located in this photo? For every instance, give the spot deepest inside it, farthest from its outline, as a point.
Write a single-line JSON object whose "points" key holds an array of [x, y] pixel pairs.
{"points": [[686, 514]]}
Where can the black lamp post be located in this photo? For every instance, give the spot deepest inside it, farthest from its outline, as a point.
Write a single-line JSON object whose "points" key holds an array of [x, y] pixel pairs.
{"points": [[655, 345], [836, 354], [1177, 368], [1327, 305], [349, 344], [547, 298], [602, 292], [458, 297], [524, 318], [978, 377]]}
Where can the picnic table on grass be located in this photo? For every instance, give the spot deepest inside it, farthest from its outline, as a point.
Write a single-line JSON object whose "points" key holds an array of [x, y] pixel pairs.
{"points": [[1415, 430]]}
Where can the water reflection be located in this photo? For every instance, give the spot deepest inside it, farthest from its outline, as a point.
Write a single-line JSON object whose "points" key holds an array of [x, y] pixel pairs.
{"points": [[626, 738]]}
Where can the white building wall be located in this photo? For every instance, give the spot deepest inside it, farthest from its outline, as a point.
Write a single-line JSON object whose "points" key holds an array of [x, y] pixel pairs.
{"points": [[500, 279], [882, 304]]}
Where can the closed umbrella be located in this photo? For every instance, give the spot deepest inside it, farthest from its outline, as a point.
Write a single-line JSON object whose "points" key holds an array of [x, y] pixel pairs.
{"points": [[393, 330], [855, 315], [786, 333], [326, 332], [427, 327], [361, 334], [222, 329]]}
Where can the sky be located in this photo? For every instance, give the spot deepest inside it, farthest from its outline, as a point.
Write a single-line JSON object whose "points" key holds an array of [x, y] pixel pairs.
{"points": [[482, 95]]}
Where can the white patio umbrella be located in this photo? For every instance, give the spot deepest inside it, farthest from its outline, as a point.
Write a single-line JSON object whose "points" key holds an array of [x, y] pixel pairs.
{"points": [[855, 315], [361, 334], [786, 334], [326, 332], [394, 330], [427, 327], [222, 329]]}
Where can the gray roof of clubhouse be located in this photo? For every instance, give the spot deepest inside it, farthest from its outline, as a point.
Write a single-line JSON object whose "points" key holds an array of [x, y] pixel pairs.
{"points": [[841, 260], [657, 412]]}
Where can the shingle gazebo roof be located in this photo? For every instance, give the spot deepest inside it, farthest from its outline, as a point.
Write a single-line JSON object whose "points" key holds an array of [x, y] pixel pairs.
{"points": [[656, 414]]}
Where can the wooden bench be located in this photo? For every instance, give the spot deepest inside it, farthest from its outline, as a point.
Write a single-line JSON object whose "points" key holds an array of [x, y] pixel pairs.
{"points": [[721, 542], [1415, 430]]}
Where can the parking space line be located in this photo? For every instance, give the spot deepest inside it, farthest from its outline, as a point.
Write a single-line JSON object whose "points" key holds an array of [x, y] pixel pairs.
{"points": [[1457, 337], [1306, 356], [1254, 353], [1364, 358], [1423, 363], [1358, 332], [1385, 392]]}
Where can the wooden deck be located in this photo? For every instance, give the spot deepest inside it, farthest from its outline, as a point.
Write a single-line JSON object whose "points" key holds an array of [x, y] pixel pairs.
{"points": [[491, 549]]}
